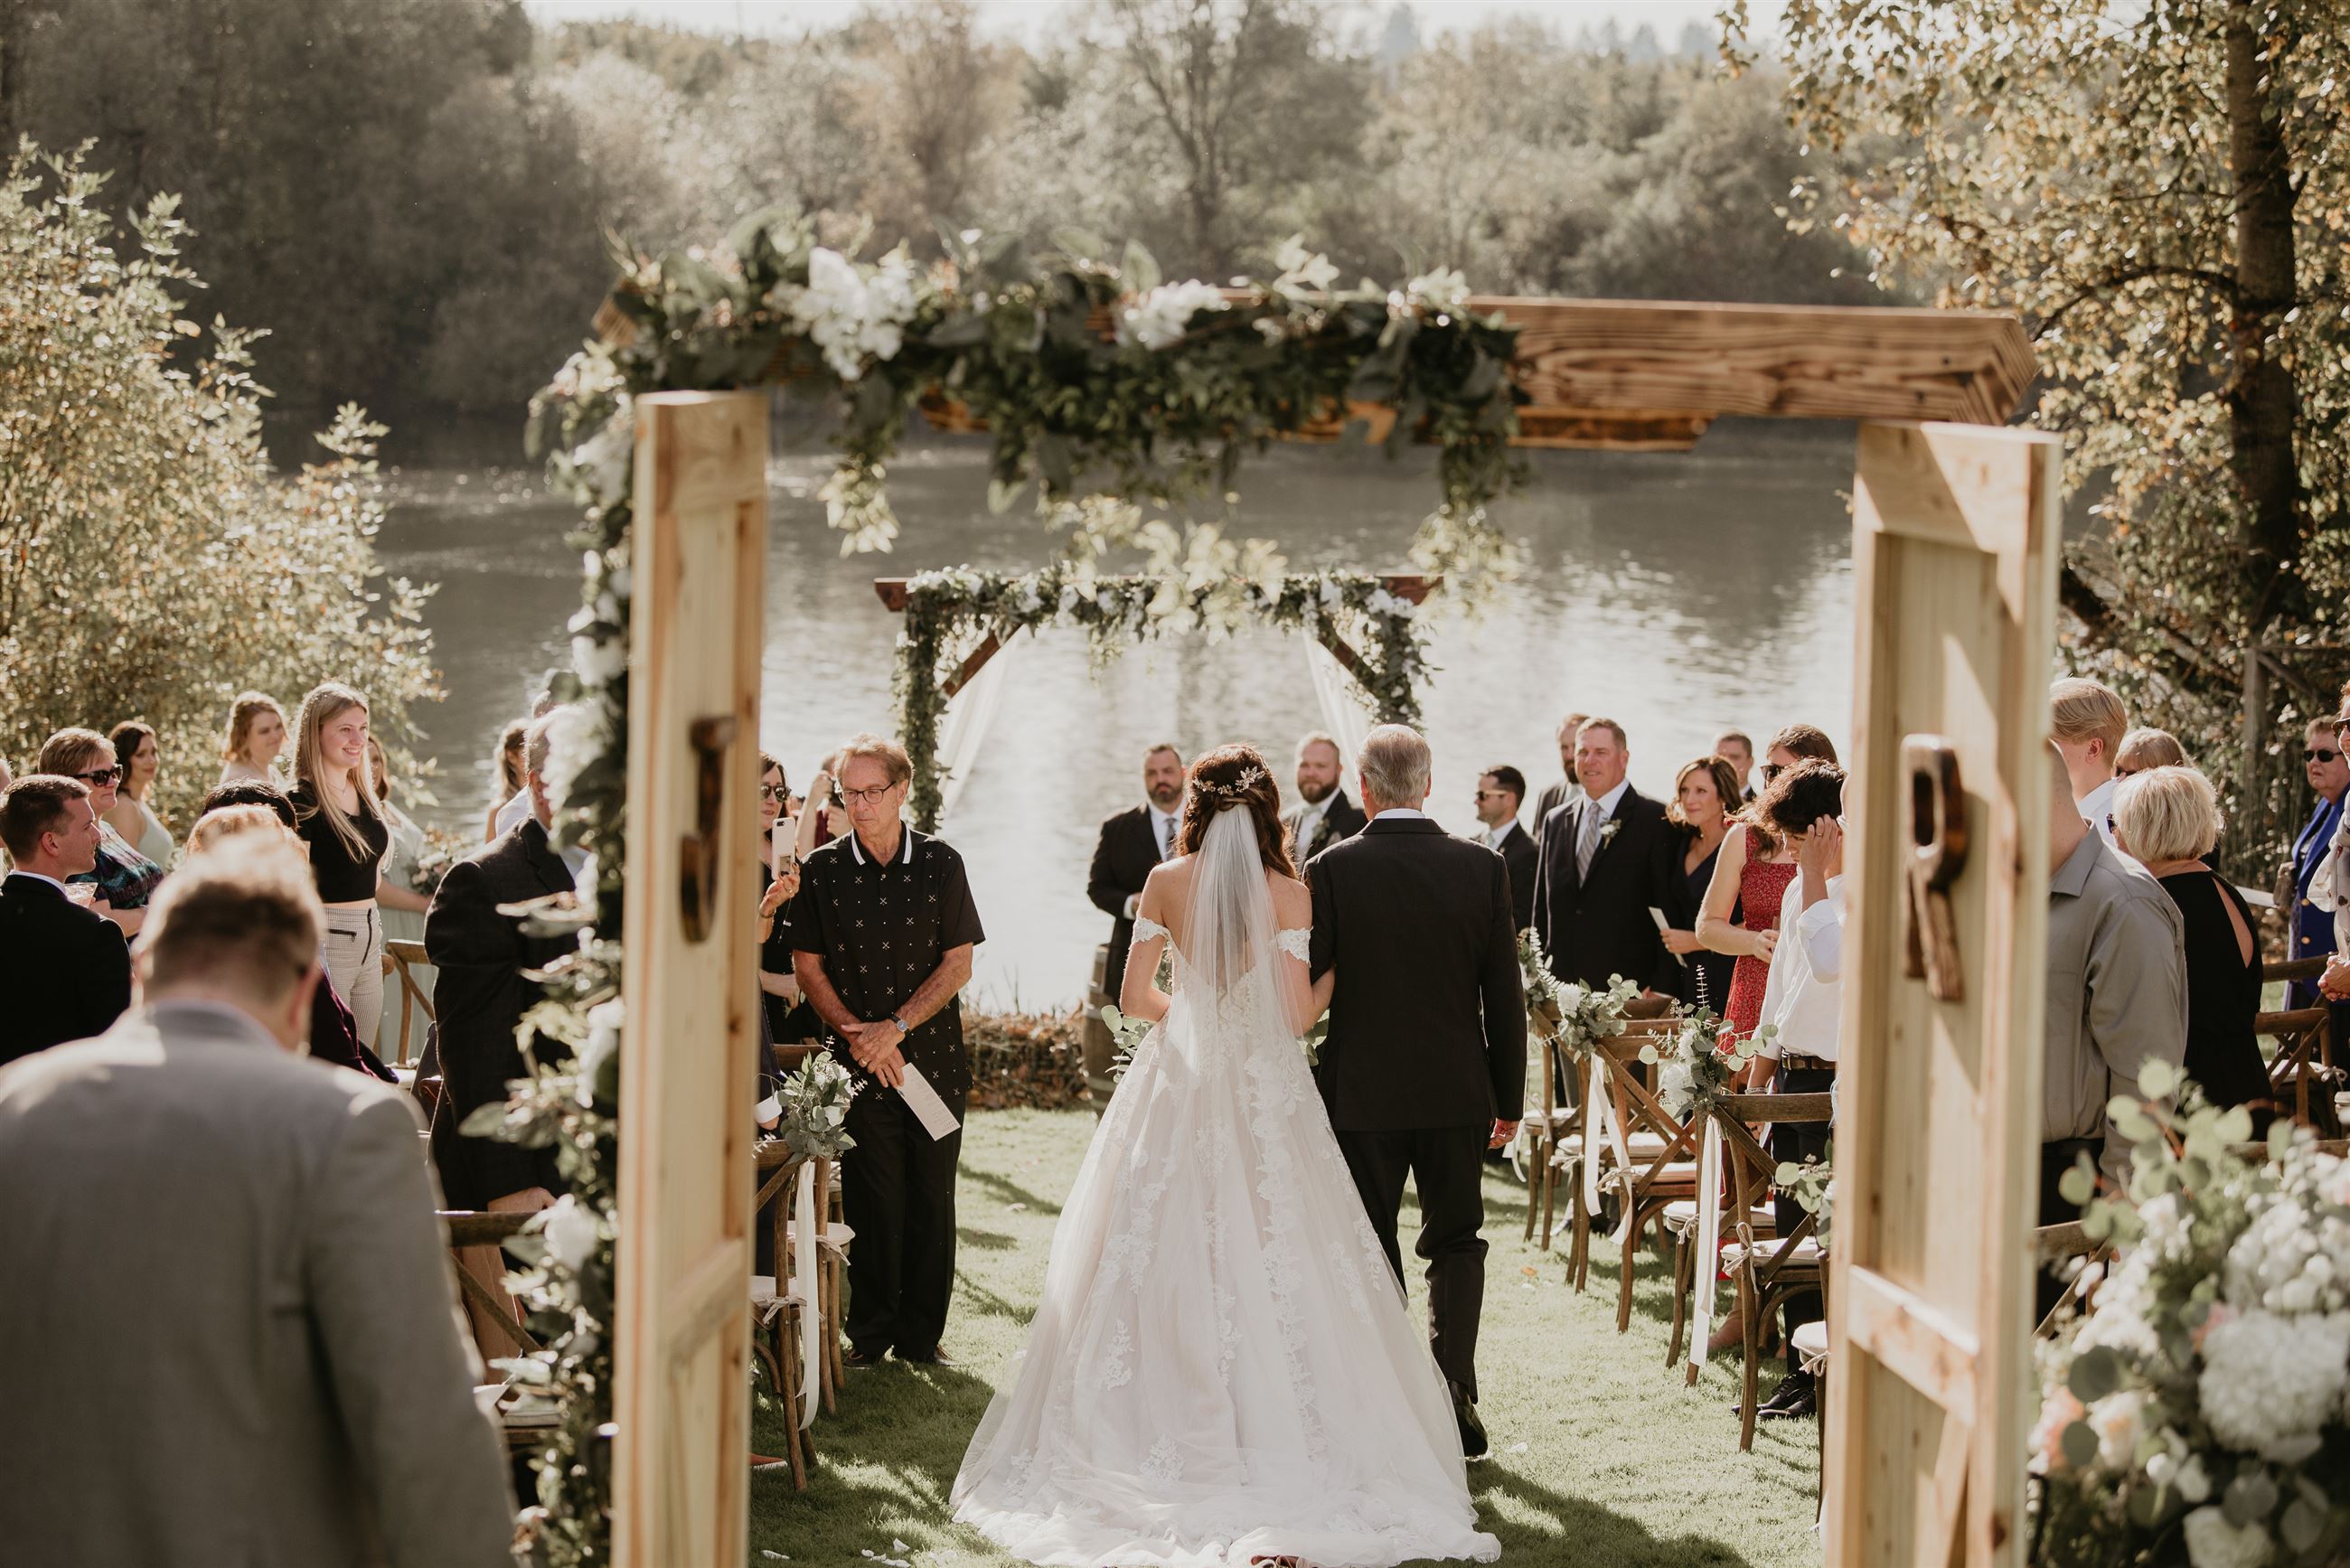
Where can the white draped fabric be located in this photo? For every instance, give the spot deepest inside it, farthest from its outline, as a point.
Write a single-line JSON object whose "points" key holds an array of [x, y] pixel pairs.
{"points": [[970, 715], [1341, 702], [1221, 1365]]}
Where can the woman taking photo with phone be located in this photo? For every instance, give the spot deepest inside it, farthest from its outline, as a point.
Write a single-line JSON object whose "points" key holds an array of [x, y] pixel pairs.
{"points": [[337, 816]]}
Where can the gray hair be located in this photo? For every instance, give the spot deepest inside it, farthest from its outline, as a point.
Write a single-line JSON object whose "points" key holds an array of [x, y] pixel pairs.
{"points": [[1395, 765]]}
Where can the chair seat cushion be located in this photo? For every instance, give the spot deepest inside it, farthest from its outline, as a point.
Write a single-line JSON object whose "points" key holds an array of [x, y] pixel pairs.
{"points": [[1811, 1343], [1681, 1217], [1807, 1251]]}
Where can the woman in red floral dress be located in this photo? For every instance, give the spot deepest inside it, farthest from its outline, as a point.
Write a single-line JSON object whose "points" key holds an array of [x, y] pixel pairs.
{"points": [[1741, 905]]}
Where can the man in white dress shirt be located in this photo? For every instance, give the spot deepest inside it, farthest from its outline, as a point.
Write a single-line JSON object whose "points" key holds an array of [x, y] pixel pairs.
{"points": [[1804, 1007], [2088, 722]]}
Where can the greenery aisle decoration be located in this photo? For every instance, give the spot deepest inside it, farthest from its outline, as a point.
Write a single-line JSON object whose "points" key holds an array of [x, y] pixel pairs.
{"points": [[1697, 1065], [948, 612], [2195, 1416], [1573, 1017], [1099, 382]]}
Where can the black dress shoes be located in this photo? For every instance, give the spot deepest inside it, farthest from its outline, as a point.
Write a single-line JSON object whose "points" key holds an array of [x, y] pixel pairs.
{"points": [[1474, 1444], [1796, 1398], [857, 1360]]}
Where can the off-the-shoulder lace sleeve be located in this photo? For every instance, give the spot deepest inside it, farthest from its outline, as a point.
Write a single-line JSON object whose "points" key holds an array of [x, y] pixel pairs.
{"points": [[1145, 928], [1297, 942]]}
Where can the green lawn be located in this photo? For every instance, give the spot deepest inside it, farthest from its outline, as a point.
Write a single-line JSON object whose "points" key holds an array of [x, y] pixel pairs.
{"points": [[1601, 1457]]}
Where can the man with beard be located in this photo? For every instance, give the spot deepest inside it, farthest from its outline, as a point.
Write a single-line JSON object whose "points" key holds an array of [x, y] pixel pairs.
{"points": [[1325, 815], [1131, 843]]}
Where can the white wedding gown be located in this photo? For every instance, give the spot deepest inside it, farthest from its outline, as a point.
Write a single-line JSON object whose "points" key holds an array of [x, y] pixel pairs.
{"points": [[1222, 1365]]}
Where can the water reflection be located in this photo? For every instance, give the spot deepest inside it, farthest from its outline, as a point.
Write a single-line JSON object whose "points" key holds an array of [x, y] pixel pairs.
{"points": [[1679, 595]]}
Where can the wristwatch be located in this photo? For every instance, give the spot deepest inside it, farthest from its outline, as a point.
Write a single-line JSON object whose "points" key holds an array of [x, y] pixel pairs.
{"points": [[904, 1028]]}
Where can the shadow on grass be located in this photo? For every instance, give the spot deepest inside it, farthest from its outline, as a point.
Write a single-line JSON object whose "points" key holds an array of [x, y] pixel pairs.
{"points": [[985, 1241], [1569, 1529], [1004, 1187], [885, 1465]]}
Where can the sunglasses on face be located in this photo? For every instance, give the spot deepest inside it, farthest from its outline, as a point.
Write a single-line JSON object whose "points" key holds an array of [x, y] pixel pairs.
{"points": [[102, 776], [1491, 794], [1771, 771], [774, 792], [2319, 754]]}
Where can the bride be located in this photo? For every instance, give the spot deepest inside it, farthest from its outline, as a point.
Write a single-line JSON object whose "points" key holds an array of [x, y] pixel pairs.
{"points": [[1222, 1369]]}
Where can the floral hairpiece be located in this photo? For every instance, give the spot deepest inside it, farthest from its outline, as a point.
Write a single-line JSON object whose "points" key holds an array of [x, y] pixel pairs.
{"points": [[1237, 790]]}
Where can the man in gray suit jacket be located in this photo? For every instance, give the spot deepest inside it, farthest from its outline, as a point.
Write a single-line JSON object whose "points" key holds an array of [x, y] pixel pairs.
{"points": [[230, 1332]]}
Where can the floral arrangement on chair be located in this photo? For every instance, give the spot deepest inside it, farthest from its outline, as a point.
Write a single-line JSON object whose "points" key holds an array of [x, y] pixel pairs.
{"points": [[2197, 1414], [1696, 1068], [1573, 1017], [815, 1108], [1811, 1185]]}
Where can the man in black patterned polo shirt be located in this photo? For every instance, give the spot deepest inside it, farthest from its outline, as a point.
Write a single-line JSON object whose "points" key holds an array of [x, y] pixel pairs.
{"points": [[882, 933]]}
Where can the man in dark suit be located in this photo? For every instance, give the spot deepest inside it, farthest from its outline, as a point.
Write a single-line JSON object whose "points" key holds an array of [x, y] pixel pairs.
{"points": [[63, 966], [481, 993], [1325, 815], [1131, 843], [1424, 1069], [1736, 747], [1604, 857], [1500, 791], [1559, 791]]}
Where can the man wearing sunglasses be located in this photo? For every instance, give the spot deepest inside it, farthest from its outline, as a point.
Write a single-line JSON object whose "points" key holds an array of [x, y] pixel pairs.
{"points": [[2328, 772]]}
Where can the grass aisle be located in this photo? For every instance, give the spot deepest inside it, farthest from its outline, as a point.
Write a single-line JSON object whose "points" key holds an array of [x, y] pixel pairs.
{"points": [[1601, 1457]]}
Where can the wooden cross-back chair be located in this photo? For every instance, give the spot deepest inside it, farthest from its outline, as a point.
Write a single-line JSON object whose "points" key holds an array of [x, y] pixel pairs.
{"points": [[1767, 1271], [469, 1231], [1652, 1180], [1573, 1142], [776, 1326], [1681, 1218], [1555, 1116], [400, 959], [2301, 1076]]}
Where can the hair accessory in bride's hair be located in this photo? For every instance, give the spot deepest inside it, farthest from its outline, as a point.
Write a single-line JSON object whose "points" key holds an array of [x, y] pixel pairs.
{"points": [[1232, 793]]}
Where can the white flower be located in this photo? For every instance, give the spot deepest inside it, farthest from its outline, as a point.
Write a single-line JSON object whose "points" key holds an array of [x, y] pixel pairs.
{"points": [[2194, 1481], [1069, 596], [1333, 596], [2115, 1419], [2269, 1380], [2213, 1543], [1160, 318], [605, 456], [598, 660], [854, 314], [1443, 289], [1270, 329], [1382, 602], [603, 1041], [1301, 269], [571, 1232], [575, 736]]}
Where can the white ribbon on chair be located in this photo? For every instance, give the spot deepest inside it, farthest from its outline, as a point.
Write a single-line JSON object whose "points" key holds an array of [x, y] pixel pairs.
{"points": [[804, 1282], [1707, 1239], [1597, 1104]]}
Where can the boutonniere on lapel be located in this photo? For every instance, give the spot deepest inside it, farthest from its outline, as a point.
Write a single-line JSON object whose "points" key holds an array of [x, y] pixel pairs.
{"points": [[1609, 830]]}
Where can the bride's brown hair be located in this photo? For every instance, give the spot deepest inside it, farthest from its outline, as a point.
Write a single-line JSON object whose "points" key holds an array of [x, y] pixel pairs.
{"points": [[1234, 775]]}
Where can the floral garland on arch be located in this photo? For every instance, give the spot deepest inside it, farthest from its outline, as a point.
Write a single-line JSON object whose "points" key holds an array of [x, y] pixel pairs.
{"points": [[1100, 383], [947, 612]]}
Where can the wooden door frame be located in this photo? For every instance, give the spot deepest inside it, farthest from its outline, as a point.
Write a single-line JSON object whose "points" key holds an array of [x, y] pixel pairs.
{"points": [[1627, 375]]}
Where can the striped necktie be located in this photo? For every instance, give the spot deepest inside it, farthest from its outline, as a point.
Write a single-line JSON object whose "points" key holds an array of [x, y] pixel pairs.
{"points": [[1586, 841]]}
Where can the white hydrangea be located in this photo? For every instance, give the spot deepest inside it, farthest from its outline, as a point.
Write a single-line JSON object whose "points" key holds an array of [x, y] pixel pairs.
{"points": [[1443, 289], [2213, 1543], [575, 735], [602, 1043], [1382, 602], [605, 457], [2117, 1420], [1160, 318], [2269, 1380], [855, 315], [2290, 1261], [571, 1233]]}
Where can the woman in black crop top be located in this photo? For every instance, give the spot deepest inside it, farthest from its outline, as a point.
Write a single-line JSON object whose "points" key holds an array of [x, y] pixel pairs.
{"points": [[347, 835]]}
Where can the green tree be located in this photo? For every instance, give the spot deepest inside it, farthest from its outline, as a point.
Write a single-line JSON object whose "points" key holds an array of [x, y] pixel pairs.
{"points": [[152, 563], [2162, 191]]}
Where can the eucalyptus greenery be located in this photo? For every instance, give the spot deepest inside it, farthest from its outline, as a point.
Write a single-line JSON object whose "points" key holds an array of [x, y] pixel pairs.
{"points": [[1571, 1016], [815, 1108], [948, 612], [1696, 1066]]}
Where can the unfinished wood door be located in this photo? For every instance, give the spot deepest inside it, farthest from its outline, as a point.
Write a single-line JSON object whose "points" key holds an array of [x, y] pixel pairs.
{"points": [[1955, 538], [681, 1405]]}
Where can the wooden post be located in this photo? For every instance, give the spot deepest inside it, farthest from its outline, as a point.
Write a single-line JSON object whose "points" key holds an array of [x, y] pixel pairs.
{"points": [[1955, 538], [680, 1465]]}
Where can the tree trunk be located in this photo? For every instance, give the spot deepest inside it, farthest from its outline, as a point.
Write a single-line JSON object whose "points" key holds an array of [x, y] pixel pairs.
{"points": [[2263, 404]]}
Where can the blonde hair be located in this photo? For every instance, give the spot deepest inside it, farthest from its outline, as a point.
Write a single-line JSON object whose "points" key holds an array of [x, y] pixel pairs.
{"points": [[327, 701], [515, 774], [2080, 710], [2157, 749], [248, 706], [246, 912], [875, 748], [217, 827], [69, 752], [2168, 813]]}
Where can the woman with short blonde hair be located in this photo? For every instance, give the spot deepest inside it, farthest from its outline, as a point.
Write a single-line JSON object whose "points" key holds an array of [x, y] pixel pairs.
{"points": [[255, 738], [336, 813], [126, 879], [2168, 818]]}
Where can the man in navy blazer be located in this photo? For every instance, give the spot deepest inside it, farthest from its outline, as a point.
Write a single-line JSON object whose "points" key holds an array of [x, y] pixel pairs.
{"points": [[63, 966]]}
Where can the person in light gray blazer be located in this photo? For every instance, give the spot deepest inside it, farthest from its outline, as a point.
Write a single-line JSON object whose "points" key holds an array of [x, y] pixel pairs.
{"points": [[229, 1332]]}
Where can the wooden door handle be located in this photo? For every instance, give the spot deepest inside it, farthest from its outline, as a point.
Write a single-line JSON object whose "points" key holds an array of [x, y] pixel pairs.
{"points": [[1938, 855], [698, 852]]}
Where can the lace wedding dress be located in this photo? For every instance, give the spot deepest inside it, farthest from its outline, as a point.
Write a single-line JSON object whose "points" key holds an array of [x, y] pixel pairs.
{"points": [[1222, 1365]]}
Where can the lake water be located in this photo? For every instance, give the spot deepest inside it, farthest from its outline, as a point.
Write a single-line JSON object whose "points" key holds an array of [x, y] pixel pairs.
{"points": [[1681, 595]]}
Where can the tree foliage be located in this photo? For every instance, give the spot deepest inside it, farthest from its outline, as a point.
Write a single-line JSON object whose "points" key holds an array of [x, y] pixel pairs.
{"points": [[2162, 191], [151, 564]]}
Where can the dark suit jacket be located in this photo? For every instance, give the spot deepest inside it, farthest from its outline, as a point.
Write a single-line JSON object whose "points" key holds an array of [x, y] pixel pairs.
{"points": [[1519, 854], [1428, 1022], [1123, 858], [1342, 820], [1598, 929], [478, 997], [1556, 793], [65, 969]]}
